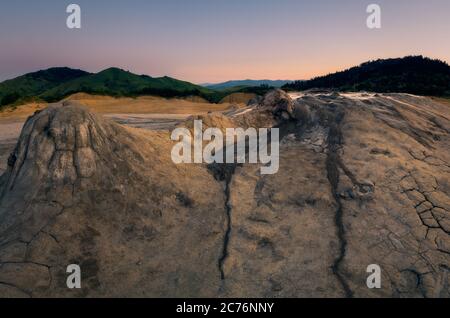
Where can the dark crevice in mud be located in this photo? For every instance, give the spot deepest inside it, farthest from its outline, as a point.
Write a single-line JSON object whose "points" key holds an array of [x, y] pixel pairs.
{"points": [[333, 162], [224, 173], [332, 119]]}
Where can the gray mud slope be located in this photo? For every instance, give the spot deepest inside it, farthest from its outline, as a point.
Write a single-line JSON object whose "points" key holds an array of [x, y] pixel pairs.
{"points": [[83, 190], [363, 179]]}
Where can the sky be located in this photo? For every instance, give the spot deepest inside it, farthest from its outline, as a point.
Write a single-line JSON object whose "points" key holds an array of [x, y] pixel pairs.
{"points": [[208, 41]]}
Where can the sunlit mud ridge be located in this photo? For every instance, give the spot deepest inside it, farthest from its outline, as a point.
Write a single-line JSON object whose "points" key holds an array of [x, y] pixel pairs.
{"points": [[363, 179]]}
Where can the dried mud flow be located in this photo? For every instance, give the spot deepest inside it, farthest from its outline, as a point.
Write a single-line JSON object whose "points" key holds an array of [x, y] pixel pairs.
{"points": [[363, 179]]}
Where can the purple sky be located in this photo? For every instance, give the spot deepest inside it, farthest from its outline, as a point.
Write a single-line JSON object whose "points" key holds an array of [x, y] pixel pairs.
{"points": [[218, 40]]}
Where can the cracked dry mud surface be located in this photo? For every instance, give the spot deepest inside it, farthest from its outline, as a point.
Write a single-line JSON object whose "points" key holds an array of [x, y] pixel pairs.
{"points": [[363, 179]]}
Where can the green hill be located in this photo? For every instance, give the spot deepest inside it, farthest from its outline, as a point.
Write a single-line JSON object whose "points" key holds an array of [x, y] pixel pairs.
{"points": [[57, 83], [33, 84], [411, 74], [117, 82]]}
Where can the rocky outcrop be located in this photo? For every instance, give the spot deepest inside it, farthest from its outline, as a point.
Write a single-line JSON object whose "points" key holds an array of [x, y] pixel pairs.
{"points": [[279, 103], [363, 179]]}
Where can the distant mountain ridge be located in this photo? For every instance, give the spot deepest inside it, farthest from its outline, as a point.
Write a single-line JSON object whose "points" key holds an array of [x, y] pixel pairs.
{"points": [[412, 74], [247, 83]]}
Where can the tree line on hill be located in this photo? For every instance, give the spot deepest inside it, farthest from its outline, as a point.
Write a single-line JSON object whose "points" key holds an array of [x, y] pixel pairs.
{"points": [[412, 74]]}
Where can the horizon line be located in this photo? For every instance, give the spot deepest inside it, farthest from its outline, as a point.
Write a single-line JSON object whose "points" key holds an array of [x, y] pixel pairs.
{"points": [[203, 83]]}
